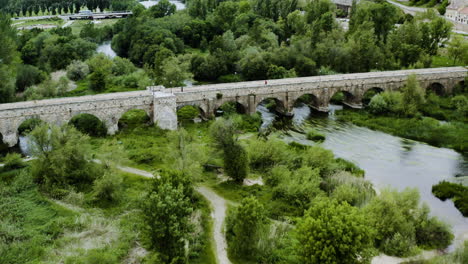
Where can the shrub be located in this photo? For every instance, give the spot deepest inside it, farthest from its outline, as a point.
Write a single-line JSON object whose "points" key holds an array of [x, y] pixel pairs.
{"points": [[188, 112], [399, 245], [107, 188], [28, 75], [63, 158], [77, 70], [134, 118], [122, 66], [433, 234], [344, 165], [97, 81], [300, 188], [236, 162], [267, 154], [317, 157], [331, 232], [13, 161], [243, 225], [276, 174], [315, 136], [386, 103], [28, 125], [89, 124]]}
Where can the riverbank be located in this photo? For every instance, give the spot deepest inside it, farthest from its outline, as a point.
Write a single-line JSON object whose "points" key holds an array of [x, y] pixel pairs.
{"points": [[425, 129]]}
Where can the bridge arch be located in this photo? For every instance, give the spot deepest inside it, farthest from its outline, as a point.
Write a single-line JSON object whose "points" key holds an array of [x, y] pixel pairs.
{"points": [[231, 106], [133, 117], [29, 124], [202, 106], [272, 104], [369, 93], [436, 88], [308, 99], [189, 112], [89, 124], [342, 97]]}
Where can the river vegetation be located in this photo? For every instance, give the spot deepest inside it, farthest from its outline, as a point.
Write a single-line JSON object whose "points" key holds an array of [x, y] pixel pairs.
{"points": [[76, 203], [418, 114], [457, 192]]}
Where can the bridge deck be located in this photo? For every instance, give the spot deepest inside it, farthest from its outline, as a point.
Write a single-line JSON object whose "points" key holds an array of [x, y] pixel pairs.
{"points": [[317, 79], [77, 99]]}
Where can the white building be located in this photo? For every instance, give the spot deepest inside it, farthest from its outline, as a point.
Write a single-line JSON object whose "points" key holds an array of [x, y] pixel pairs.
{"points": [[457, 11]]}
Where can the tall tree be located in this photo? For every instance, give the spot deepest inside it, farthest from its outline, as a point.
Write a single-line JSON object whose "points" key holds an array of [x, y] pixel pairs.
{"points": [[331, 232], [166, 210], [8, 59]]}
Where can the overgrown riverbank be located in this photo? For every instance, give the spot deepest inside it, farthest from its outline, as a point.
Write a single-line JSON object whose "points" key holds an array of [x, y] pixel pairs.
{"points": [[425, 129], [301, 184]]}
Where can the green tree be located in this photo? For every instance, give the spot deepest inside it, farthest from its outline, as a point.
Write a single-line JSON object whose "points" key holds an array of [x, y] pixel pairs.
{"points": [[458, 48], [331, 232], [63, 157], [413, 95], [166, 211], [97, 81], [234, 155], [28, 75], [162, 9], [243, 227], [175, 70], [8, 59]]}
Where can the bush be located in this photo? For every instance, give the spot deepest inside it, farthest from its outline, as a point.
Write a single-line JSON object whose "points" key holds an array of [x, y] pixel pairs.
{"points": [[107, 188], [264, 155], [387, 102], [122, 66], [63, 158], [243, 225], [77, 70], [28, 75], [97, 81], [13, 161], [134, 118], [28, 125], [433, 234], [399, 245], [459, 193], [236, 162], [317, 157], [89, 124], [315, 136], [188, 112], [299, 188]]}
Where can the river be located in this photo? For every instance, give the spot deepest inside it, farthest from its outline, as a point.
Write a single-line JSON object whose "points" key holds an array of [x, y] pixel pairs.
{"points": [[106, 48], [388, 161], [179, 5]]}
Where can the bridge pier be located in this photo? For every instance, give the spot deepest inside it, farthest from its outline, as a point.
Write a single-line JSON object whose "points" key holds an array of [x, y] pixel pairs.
{"points": [[11, 139], [165, 110]]}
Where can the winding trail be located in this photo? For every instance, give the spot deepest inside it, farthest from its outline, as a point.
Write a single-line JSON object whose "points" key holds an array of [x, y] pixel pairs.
{"points": [[219, 214]]}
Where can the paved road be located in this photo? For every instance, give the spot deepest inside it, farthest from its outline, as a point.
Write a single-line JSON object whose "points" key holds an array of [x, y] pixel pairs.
{"points": [[408, 9]]}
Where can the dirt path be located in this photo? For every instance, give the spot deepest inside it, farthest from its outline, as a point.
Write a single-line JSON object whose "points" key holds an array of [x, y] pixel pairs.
{"points": [[219, 214]]}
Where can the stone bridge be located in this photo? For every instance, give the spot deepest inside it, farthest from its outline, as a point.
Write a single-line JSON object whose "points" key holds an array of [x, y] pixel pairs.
{"points": [[161, 104]]}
